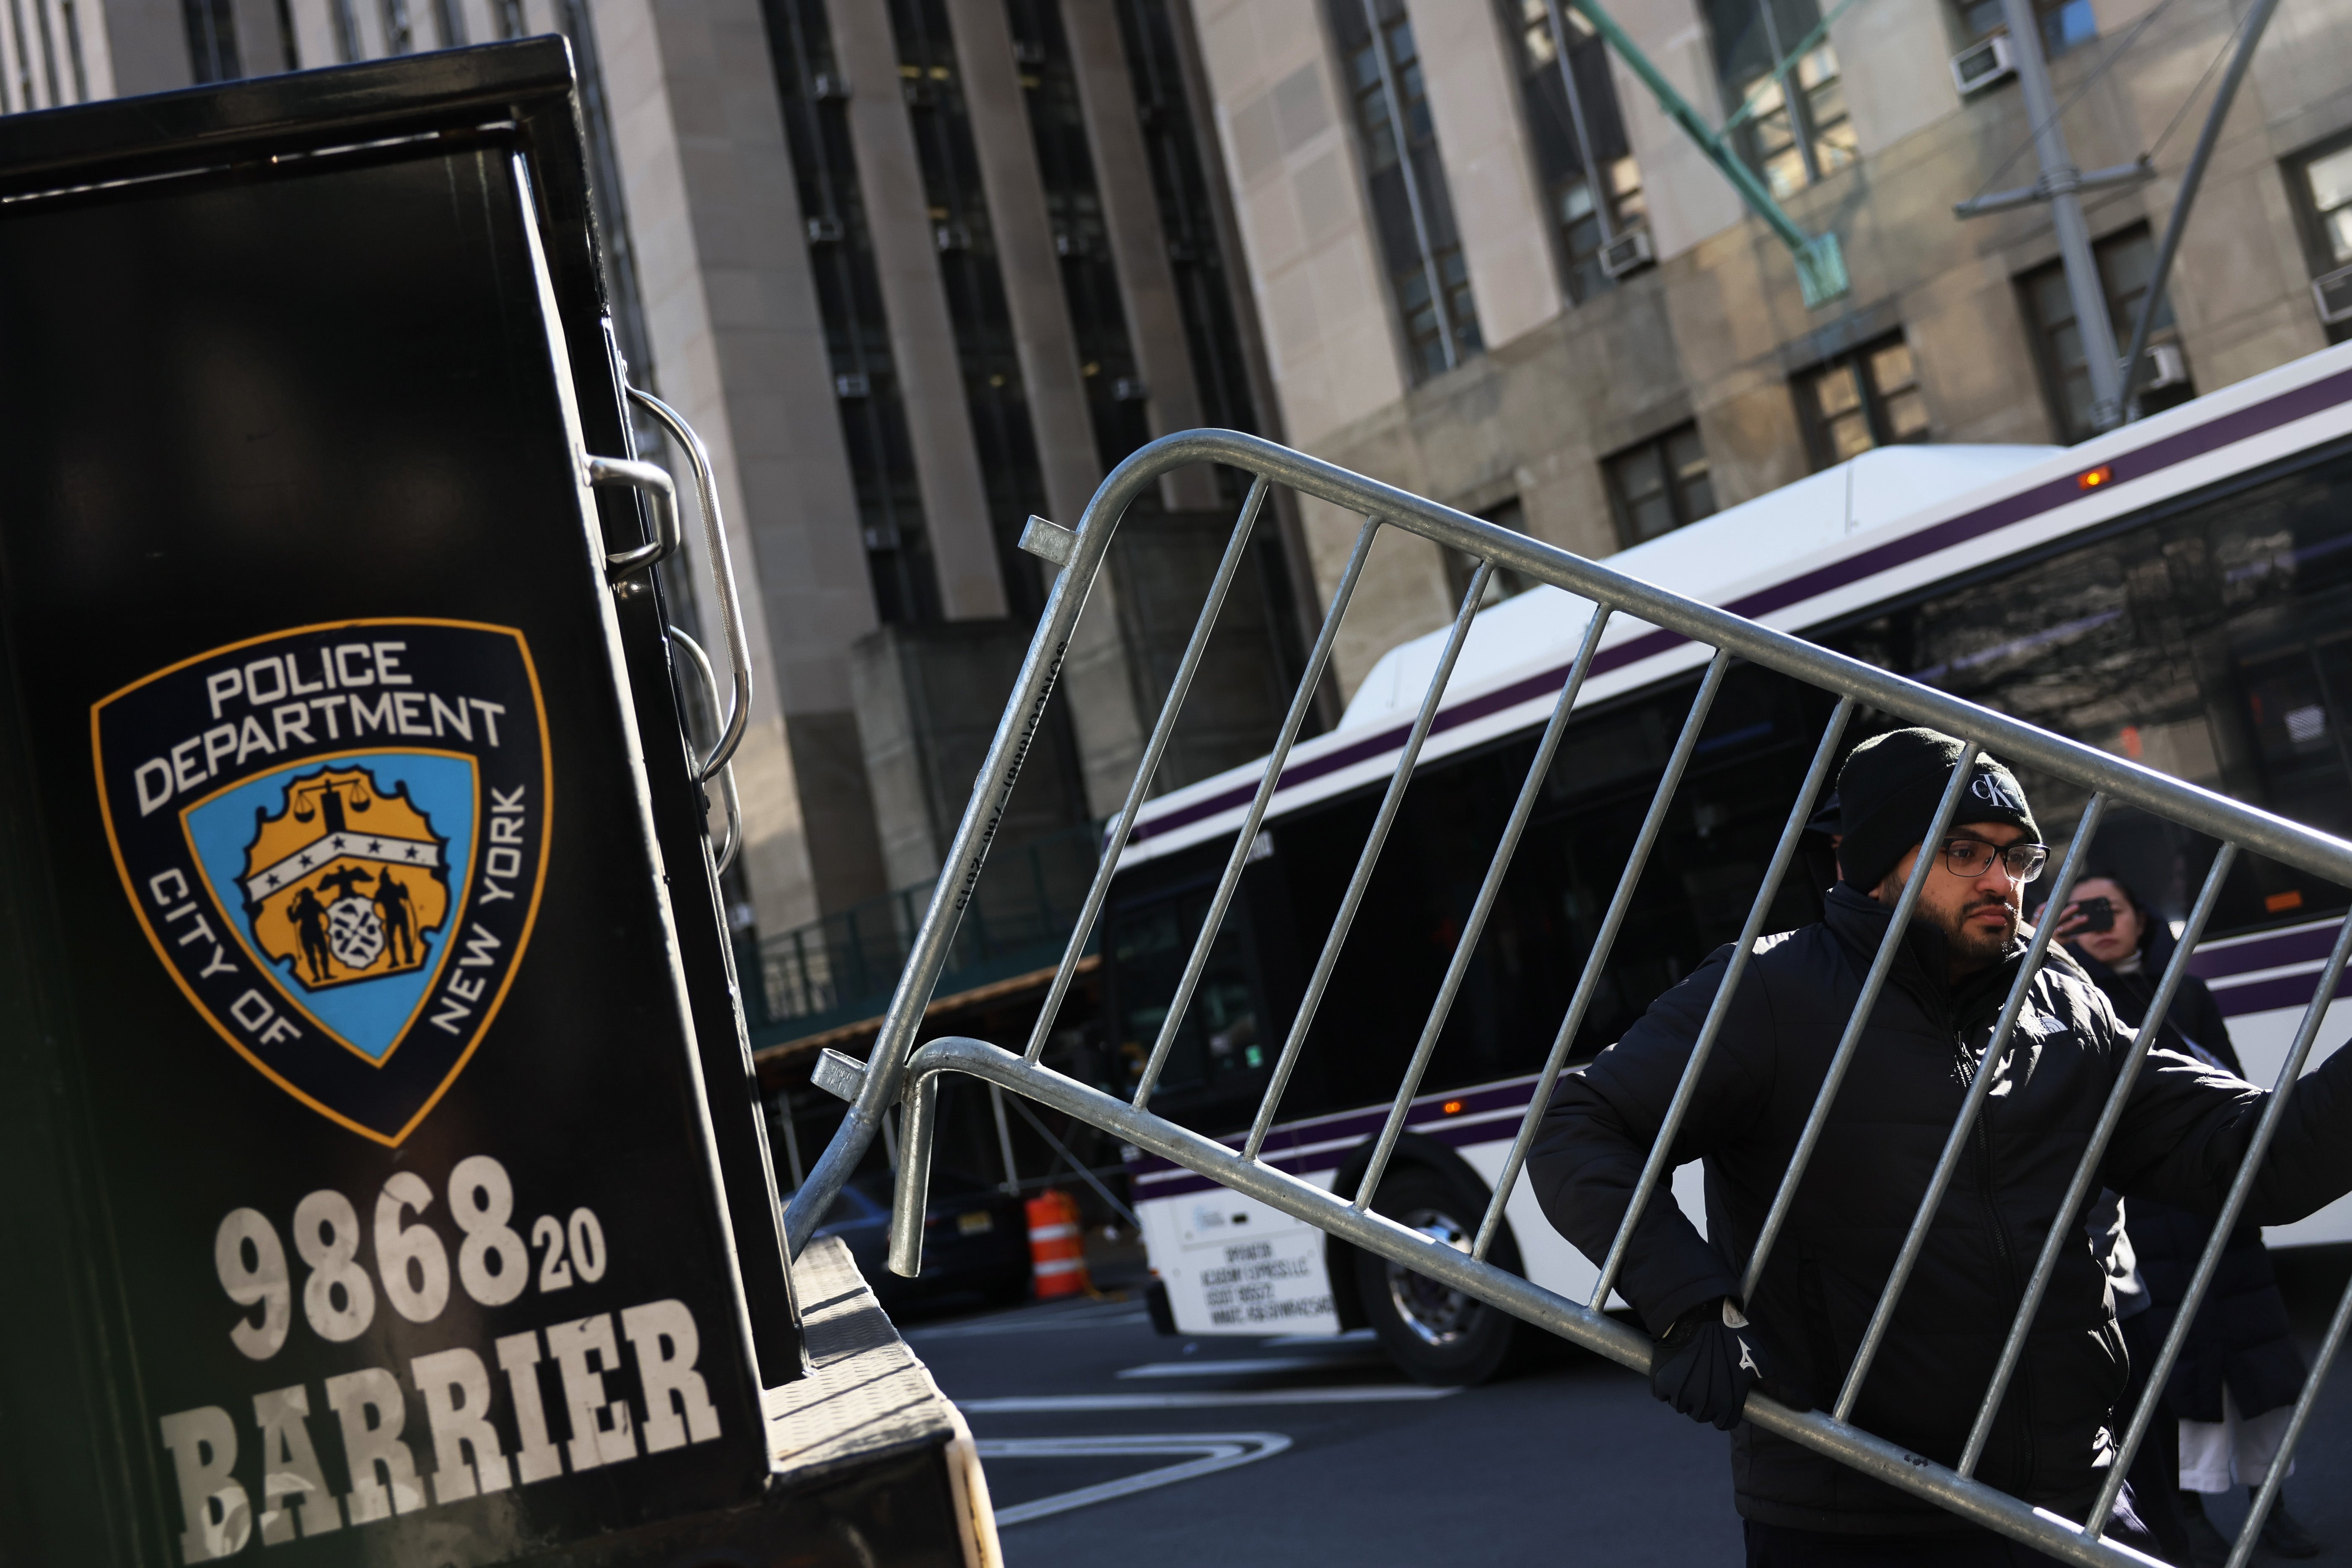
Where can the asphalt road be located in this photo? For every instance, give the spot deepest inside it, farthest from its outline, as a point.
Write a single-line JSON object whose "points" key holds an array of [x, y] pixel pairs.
{"points": [[1328, 1454], [1106, 1442]]}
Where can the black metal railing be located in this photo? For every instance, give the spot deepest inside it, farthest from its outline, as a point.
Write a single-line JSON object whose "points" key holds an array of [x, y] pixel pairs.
{"points": [[841, 968]]}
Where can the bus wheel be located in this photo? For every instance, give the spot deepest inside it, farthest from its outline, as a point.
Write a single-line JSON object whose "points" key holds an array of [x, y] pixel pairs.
{"points": [[1437, 1334]]}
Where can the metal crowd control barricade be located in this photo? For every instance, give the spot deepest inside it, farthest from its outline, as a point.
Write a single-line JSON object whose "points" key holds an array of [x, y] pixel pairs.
{"points": [[382, 1173], [893, 1078]]}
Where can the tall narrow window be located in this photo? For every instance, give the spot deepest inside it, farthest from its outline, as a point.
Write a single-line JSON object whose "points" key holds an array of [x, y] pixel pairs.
{"points": [[2319, 185], [2126, 261], [814, 97], [1659, 485], [1575, 128], [450, 18], [1867, 398], [1065, 167], [1180, 179], [73, 50], [1427, 273], [347, 30], [22, 76], [974, 284], [1181, 157], [211, 42], [1777, 66], [49, 51], [399, 32], [509, 16]]}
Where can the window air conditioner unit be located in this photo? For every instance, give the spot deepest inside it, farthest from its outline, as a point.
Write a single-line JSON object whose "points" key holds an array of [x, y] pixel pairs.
{"points": [[1627, 252], [2165, 367], [825, 231], [1130, 389], [852, 385], [1982, 63], [830, 85], [952, 236], [1028, 53], [2333, 292]]}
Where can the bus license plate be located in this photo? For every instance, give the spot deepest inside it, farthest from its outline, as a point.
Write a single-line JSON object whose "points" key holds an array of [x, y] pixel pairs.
{"points": [[976, 1222]]}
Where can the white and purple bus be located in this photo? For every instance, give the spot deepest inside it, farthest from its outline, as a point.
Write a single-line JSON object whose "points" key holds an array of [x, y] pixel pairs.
{"points": [[2179, 592]]}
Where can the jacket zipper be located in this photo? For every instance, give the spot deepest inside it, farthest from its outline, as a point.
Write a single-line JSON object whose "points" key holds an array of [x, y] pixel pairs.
{"points": [[1985, 1191]]}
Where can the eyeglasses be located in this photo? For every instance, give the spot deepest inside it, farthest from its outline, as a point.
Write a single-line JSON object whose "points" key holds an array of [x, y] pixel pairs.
{"points": [[1973, 857]]}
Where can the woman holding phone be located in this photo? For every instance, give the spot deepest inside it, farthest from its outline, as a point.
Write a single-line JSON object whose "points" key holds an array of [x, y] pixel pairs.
{"points": [[2234, 1386]]}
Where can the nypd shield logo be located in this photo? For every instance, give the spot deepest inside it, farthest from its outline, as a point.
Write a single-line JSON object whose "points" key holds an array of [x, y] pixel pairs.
{"points": [[335, 838], [323, 895]]}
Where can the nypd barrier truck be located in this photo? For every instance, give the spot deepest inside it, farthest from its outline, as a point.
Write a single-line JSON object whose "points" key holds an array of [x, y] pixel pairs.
{"points": [[380, 1179]]}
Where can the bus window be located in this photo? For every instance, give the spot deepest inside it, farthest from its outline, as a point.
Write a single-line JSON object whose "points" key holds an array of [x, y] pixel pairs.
{"points": [[1694, 893], [2206, 644], [1709, 859], [1220, 1046], [1626, 746], [2294, 710]]}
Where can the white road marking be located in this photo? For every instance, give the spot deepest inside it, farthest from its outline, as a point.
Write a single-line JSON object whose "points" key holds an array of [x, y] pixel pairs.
{"points": [[1022, 1404], [1216, 1451], [1243, 1368]]}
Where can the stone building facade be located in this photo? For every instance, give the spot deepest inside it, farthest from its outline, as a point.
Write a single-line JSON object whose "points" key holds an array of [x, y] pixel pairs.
{"points": [[917, 269], [1592, 412], [914, 270]]}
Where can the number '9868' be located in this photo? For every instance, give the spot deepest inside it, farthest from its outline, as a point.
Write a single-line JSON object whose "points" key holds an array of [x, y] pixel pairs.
{"points": [[339, 1296]]}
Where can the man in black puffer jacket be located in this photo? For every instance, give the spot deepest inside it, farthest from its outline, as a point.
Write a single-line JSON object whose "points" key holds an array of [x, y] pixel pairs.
{"points": [[2186, 1126]]}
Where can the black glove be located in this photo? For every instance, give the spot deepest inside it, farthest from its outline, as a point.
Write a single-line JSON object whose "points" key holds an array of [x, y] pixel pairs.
{"points": [[1706, 1364]]}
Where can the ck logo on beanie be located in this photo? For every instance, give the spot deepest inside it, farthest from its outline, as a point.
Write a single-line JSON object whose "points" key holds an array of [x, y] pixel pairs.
{"points": [[1989, 789]]}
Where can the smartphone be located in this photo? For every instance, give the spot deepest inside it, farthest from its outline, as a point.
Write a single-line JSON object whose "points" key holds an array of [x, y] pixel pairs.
{"points": [[2095, 914]]}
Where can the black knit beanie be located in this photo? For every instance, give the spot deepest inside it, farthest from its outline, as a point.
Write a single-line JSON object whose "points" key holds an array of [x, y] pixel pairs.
{"points": [[1887, 793]]}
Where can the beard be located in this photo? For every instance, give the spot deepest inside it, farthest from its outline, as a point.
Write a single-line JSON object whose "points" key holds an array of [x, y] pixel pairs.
{"points": [[1974, 947]]}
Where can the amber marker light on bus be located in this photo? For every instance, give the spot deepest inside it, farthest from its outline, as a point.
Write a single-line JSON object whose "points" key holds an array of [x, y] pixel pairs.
{"points": [[1452, 1108], [2092, 478]]}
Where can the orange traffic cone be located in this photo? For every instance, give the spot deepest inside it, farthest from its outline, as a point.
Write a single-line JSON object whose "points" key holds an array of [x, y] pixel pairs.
{"points": [[1057, 1253]]}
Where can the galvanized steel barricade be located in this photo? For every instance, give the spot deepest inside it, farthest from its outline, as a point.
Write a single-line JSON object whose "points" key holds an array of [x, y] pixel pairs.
{"points": [[892, 1077]]}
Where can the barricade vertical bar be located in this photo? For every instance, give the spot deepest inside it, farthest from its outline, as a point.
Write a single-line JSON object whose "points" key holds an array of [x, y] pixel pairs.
{"points": [[1465, 948], [912, 1194], [1153, 749], [1005, 1140], [1588, 983], [1661, 1147], [1312, 1001], [1989, 1067], [2062, 1236], [2224, 1223], [1873, 984], [1301, 701], [2328, 1347]]}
